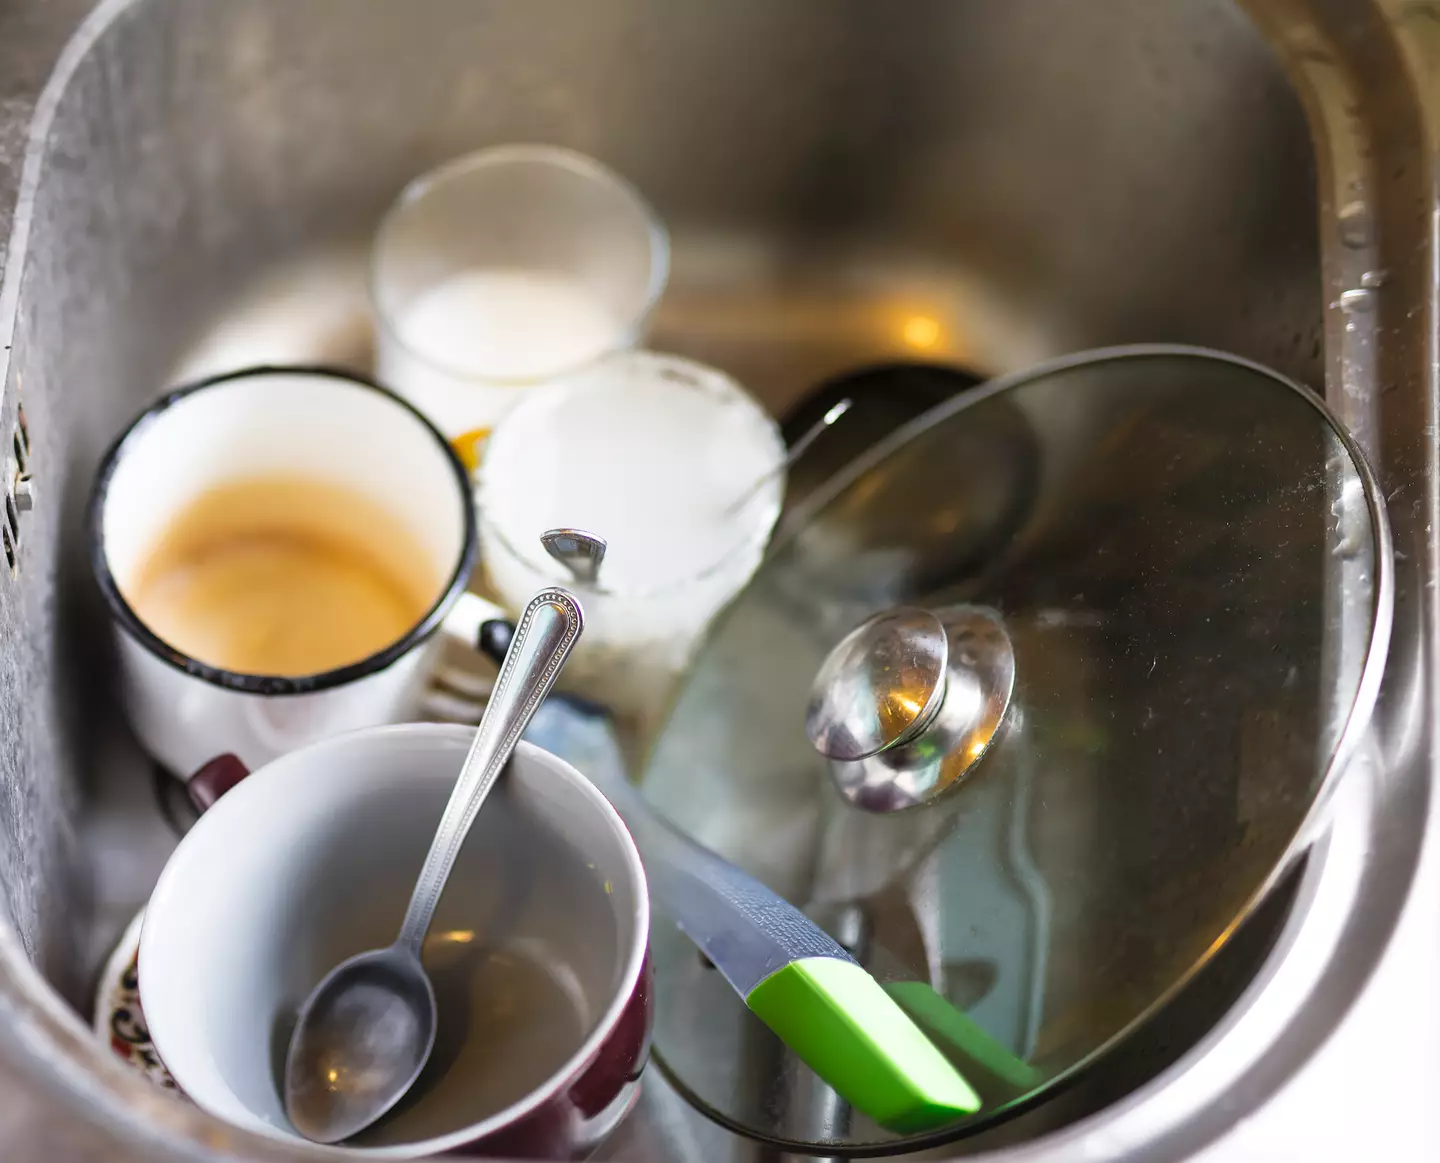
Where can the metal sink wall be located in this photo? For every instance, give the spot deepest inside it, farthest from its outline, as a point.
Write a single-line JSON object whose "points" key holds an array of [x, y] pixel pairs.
{"points": [[1028, 177]]}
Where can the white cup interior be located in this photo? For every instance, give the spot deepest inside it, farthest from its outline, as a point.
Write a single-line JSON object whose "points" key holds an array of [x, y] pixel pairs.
{"points": [[293, 423], [312, 859]]}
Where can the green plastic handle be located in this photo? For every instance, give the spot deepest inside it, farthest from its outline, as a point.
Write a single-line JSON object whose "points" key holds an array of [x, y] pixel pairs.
{"points": [[943, 1021], [847, 1029]]}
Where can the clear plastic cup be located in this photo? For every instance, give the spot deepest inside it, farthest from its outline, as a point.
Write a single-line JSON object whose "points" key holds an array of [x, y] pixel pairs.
{"points": [[649, 452], [507, 268]]}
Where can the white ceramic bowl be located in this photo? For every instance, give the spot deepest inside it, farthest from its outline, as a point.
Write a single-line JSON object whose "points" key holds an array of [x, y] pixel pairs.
{"points": [[537, 952]]}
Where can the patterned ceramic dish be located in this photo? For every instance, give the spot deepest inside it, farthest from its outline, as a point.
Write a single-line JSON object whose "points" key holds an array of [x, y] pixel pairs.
{"points": [[119, 1021]]}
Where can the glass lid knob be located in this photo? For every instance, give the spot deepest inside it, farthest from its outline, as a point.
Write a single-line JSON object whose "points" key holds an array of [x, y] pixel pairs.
{"points": [[880, 686], [909, 701]]}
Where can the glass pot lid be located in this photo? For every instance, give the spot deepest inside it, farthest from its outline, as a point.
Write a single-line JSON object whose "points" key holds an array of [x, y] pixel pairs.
{"points": [[1029, 706]]}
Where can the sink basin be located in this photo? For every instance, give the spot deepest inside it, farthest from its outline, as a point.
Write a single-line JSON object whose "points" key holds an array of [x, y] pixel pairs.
{"points": [[845, 181]]}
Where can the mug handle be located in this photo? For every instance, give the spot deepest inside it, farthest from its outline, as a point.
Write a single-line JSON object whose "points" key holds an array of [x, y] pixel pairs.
{"points": [[213, 779]]}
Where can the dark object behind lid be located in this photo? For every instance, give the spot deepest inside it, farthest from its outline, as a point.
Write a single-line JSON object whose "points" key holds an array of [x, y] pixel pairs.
{"points": [[883, 397]]}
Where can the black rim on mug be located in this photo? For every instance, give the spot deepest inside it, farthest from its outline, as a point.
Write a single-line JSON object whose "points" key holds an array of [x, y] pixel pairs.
{"points": [[265, 684]]}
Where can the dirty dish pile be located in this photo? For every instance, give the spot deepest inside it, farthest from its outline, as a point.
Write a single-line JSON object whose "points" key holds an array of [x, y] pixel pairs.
{"points": [[298, 562], [383, 1032], [285, 550]]}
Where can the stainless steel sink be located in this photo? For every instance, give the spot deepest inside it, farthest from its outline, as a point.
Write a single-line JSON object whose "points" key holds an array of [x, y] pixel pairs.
{"points": [[845, 180]]}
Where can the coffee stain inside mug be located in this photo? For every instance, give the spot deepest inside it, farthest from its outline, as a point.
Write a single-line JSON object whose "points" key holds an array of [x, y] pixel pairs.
{"points": [[282, 575]]}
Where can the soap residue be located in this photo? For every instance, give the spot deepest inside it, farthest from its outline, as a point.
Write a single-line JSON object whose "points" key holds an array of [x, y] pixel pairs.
{"points": [[649, 452], [648, 463]]}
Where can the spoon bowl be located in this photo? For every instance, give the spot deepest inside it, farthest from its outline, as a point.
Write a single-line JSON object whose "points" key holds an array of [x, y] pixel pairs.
{"points": [[380, 1006], [580, 552]]}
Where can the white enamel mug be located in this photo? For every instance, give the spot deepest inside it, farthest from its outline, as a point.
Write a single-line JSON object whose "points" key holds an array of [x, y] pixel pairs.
{"points": [[326, 425]]}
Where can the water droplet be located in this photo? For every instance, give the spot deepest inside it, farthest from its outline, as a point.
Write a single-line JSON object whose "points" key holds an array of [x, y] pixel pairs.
{"points": [[1356, 299], [1373, 279], [1355, 228]]}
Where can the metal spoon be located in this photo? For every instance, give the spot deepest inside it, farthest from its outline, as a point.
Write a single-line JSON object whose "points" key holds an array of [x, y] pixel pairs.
{"points": [[796, 452], [366, 1031], [578, 551]]}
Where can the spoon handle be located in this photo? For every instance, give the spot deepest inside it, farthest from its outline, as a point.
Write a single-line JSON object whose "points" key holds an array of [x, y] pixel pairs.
{"points": [[812, 434], [543, 639]]}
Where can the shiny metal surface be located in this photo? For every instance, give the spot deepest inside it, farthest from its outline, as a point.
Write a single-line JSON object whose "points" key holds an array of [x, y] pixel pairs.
{"points": [[880, 686], [974, 182], [547, 631], [941, 746], [1181, 710], [365, 1033], [360, 1042], [580, 552]]}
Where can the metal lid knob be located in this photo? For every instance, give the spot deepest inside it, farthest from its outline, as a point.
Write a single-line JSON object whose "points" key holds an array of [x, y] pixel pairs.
{"points": [[880, 686], [909, 701]]}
